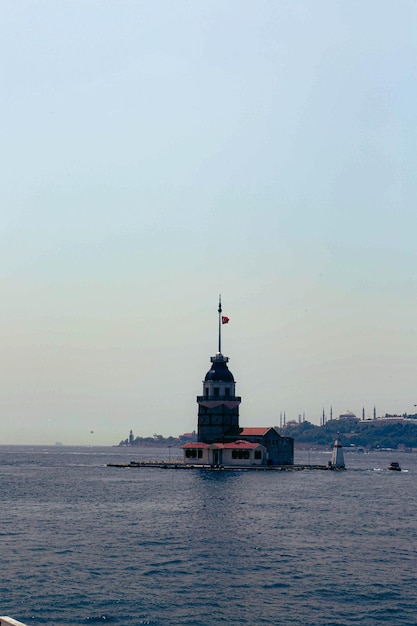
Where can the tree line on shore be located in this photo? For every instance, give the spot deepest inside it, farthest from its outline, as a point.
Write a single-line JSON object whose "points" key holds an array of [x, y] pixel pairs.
{"points": [[152, 442], [369, 434]]}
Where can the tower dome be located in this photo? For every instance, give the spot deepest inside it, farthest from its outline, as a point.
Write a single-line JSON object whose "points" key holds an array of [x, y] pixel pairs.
{"points": [[219, 372]]}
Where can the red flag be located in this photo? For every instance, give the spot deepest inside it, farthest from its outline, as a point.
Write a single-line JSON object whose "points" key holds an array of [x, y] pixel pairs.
{"points": [[225, 320]]}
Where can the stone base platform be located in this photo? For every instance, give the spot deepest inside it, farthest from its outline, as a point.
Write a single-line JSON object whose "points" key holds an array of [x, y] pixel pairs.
{"points": [[186, 466]]}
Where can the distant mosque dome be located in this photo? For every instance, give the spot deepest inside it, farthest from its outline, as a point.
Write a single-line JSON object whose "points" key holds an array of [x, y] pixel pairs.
{"points": [[347, 415], [219, 371]]}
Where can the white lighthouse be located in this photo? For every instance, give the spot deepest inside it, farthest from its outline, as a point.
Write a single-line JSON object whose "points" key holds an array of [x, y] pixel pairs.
{"points": [[338, 461]]}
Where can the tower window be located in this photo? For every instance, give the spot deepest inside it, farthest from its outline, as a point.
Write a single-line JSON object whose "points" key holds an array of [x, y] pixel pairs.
{"points": [[207, 392], [216, 391], [227, 391]]}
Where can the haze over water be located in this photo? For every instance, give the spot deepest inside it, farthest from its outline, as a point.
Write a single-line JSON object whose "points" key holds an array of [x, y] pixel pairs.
{"points": [[83, 543]]}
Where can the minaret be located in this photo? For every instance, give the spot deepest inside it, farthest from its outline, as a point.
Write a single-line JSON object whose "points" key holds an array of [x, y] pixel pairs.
{"points": [[218, 407], [338, 461]]}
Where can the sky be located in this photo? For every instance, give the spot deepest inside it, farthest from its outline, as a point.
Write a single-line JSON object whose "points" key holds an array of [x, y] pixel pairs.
{"points": [[155, 154]]}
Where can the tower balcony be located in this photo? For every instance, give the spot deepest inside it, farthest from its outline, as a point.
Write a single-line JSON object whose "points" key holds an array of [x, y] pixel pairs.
{"points": [[219, 399]]}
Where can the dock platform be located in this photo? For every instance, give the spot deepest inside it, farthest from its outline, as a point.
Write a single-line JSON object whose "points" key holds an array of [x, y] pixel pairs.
{"points": [[186, 466]]}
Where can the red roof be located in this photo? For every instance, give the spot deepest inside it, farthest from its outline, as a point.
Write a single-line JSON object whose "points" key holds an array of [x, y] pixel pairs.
{"points": [[238, 445], [259, 432]]}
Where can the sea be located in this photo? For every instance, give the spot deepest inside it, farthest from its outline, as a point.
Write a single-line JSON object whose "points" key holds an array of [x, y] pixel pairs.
{"points": [[85, 544]]}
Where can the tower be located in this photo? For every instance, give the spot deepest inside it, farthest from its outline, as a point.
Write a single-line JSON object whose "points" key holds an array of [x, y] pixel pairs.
{"points": [[218, 407], [338, 460]]}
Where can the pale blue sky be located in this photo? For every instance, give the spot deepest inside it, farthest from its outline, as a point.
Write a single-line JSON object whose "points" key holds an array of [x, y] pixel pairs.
{"points": [[155, 154]]}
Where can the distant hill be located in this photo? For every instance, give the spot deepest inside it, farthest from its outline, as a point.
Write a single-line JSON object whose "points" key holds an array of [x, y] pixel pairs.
{"points": [[369, 434], [153, 442]]}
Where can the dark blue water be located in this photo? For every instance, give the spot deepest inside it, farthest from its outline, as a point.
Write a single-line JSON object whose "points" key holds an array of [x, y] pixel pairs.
{"points": [[82, 543]]}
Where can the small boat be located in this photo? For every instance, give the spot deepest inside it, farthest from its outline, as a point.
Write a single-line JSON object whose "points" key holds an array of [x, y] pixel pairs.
{"points": [[394, 466]]}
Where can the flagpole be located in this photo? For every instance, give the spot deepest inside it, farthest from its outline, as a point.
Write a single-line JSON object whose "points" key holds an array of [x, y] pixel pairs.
{"points": [[220, 323]]}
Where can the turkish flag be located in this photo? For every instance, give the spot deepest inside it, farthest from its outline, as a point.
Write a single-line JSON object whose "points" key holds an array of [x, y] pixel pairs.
{"points": [[225, 320]]}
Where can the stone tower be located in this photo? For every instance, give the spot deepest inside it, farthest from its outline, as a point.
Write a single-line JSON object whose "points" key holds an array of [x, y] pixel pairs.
{"points": [[218, 407]]}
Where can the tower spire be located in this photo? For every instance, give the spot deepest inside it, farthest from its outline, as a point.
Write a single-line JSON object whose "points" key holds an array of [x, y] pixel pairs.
{"points": [[220, 323]]}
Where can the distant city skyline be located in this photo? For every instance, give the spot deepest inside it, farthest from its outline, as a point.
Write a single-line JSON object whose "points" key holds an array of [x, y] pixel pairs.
{"points": [[157, 154]]}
